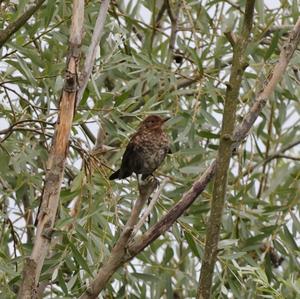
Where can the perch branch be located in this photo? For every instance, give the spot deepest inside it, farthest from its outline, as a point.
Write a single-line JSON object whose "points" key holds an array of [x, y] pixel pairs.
{"points": [[150, 207]]}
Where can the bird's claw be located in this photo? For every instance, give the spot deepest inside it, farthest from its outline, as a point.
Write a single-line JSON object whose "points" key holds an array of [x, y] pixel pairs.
{"points": [[151, 179]]}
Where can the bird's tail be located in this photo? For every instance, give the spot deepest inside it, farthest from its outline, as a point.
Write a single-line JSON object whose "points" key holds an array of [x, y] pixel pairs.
{"points": [[119, 174], [115, 175]]}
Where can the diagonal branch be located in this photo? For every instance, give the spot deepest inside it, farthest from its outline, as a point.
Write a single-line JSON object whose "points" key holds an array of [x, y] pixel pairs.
{"points": [[18, 23], [276, 155], [174, 21]]}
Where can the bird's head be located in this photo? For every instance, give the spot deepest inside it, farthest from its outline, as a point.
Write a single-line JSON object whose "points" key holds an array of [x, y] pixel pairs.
{"points": [[153, 122]]}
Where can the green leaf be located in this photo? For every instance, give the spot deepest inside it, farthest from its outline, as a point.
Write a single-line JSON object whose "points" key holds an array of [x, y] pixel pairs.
{"points": [[145, 277], [189, 238], [288, 238], [79, 259], [273, 45], [49, 11]]}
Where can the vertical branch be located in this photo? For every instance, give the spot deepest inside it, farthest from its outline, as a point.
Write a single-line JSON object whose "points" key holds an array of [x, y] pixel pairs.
{"points": [[91, 54], [56, 160], [225, 151], [28, 218], [85, 75], [174, 20], [263, 181]]}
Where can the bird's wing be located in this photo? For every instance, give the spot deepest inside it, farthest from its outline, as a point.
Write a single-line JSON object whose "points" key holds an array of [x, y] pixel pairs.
{"points": [[133, 157]]}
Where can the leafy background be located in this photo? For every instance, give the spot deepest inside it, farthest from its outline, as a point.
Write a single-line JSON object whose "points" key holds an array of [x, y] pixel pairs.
{"points": [[137, 74]]}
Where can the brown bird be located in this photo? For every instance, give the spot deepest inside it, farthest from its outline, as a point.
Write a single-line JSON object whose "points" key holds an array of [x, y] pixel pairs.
{"points": [[146, 149]]}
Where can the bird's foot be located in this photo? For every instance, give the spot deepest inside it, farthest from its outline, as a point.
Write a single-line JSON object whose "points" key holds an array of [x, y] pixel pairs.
{"points": [[150, 179], [148, 184]]}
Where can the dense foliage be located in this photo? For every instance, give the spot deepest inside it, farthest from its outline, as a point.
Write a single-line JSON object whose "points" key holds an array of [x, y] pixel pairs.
{"points": [[144, 66]]}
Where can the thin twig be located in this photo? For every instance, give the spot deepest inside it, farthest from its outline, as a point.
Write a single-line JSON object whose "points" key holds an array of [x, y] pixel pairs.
{"points": [[174, 20], [150, 207], [278, 154], [35, 39]]}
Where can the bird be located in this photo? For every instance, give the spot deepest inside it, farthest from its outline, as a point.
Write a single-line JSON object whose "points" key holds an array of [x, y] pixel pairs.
{"points": [[146, 149]]}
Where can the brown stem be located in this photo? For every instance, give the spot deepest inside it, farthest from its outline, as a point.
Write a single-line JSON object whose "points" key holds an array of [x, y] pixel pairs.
{"points": [[174, 20], [91, 54], [28, 217], [277, 155], [18, 23]]}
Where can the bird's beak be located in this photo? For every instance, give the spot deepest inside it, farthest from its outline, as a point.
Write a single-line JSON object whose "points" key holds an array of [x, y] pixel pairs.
{"points": [[166, 119]]}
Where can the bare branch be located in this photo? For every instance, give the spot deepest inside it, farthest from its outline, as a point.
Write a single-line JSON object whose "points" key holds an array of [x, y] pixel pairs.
{"points": [[150, 207], [287, 157], [276, 155], [174, 20], [231, 38], [91, 54], [139, 243], [56, 161], [35, 38], [18, 23]]}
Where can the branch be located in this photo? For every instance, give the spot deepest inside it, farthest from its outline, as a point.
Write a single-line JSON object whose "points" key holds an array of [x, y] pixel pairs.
{"points": [[56, 161], [276, 155], [35, 38], [85, 75], [88, 132], [287, 157], [224, 154], [231, 38], [139, 243], [119, 251], [18, 23], [174, 20], [91, 54], [150, 207]]}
